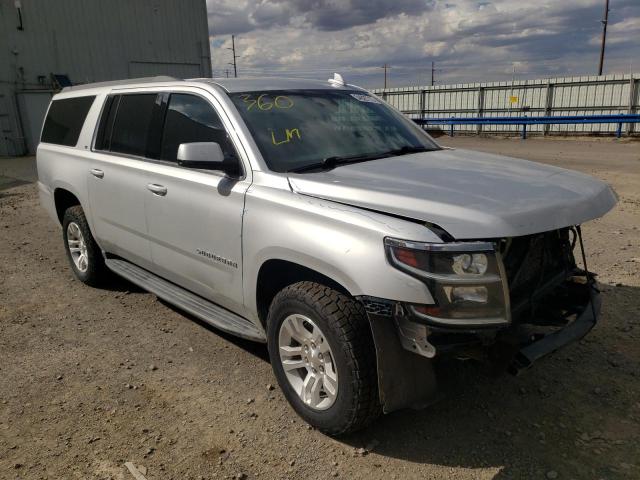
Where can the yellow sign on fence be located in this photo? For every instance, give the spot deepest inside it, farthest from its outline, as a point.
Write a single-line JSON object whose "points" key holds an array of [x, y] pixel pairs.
{"points": [[513, 99]]}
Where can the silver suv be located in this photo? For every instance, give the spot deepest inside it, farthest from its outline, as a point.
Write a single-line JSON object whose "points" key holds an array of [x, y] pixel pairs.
{"points": [[314, 217]]}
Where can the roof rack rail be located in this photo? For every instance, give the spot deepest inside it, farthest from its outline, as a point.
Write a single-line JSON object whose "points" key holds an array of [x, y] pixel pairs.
{"points": [[127, 81]]}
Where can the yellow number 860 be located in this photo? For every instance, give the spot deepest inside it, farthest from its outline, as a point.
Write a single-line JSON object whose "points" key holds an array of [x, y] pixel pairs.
{"points": [[281, 101]]}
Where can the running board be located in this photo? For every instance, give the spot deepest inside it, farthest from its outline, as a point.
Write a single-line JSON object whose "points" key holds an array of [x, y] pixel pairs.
{"points": [[187, 301]]}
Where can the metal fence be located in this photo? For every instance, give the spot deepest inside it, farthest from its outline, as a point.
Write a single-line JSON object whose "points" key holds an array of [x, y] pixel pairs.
{"points": [[562, 96]]}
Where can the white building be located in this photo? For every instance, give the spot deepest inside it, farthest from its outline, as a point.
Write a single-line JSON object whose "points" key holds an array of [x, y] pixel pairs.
{"points": [[44, 44]]}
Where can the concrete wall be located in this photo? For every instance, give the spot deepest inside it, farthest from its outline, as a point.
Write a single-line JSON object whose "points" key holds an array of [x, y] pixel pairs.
{"points": [[91, 40], [562, 96]]}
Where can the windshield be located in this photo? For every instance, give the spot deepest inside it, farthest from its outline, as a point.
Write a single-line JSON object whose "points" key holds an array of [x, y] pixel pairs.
{"points": [[298, 128]]}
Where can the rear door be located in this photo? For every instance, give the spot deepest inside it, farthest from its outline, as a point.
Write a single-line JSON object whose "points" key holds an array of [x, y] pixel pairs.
{"points": [[118, 175], [194, 217]]}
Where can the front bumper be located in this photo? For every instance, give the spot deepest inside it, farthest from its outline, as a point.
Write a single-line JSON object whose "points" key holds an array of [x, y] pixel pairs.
{"points": [[544, 345], [406, 346]]}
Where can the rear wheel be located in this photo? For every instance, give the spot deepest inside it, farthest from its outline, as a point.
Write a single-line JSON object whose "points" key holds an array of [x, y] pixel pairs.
{"points": [[82, 250], [323, 357]]}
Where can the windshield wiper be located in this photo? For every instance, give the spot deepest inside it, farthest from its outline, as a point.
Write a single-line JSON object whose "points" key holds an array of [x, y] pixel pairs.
{"points": [[407, 149], [330, 163]]}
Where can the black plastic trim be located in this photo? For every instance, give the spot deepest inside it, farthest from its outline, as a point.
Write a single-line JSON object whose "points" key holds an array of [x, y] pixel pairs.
{"points": [[548, 344]]}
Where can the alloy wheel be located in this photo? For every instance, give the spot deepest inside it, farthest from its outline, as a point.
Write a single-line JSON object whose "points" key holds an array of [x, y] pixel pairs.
{"points": [[77, 247], [308, 362]]}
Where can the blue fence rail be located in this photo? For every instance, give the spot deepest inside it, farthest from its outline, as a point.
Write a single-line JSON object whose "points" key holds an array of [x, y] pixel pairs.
{"points": [[524, 121]]}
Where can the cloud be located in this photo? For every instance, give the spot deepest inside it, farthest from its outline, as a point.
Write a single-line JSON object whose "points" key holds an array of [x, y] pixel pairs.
{"points": [[625, 32], [332, 15], [468, 40], [228, 16], [327, 15]]}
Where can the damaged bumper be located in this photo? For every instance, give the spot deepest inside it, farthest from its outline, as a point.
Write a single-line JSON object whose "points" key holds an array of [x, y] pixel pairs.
{"points": [[406, 347], [544, 345]]}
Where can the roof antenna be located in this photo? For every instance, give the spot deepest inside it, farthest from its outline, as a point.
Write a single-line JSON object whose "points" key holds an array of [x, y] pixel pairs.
{"points": [[336, 81]]}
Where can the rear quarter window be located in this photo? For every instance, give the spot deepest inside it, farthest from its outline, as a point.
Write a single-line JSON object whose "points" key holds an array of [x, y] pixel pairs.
{"points": [[65, 119], [132, 124]]}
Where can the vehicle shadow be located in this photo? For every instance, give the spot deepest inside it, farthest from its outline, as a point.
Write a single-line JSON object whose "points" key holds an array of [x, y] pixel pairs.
{"points": [[7, 183], [525, 426], [257, 349], [567, 414], [115, 283], [466, 427]]}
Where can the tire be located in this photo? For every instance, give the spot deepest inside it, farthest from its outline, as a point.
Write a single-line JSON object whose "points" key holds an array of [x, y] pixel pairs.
{"points": [[347, 333], [92, 272]]}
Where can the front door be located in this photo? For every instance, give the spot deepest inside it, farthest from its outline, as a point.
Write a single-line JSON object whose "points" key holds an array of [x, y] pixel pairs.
{"points": [[194, 217]]}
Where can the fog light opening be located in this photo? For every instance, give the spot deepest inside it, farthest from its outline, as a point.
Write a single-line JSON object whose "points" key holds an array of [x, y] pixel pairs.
{"points": [[468, 294]]}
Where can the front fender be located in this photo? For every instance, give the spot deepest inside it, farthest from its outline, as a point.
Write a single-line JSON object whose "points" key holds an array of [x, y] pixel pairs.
{"points": [[341, 242], [306, 260]]}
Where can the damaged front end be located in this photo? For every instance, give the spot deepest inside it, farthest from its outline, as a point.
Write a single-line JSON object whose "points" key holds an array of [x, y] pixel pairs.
{"points": [[554, 302], [508, 301]]}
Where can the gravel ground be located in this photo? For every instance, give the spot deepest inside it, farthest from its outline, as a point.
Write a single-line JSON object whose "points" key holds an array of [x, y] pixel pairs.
{"points": [[93, 378]]}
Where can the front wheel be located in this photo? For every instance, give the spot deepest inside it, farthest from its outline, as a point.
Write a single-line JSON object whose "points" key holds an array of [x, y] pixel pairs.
{"points": [[323, 356]]}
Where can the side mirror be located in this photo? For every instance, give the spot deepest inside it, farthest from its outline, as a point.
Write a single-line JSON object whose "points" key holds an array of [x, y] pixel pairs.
{"points": [[206, 156]]}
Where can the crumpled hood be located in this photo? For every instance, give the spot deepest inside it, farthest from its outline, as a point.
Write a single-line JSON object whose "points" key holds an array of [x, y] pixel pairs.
{"points": [[472, 195]]}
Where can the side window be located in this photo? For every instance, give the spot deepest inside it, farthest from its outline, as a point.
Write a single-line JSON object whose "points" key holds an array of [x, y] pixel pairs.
{"points": [[132, 124], [192, 119], [65, 119]]}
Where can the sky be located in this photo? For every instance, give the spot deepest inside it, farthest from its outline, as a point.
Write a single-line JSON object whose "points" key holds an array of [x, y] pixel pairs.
{"points": [[469, 40]]}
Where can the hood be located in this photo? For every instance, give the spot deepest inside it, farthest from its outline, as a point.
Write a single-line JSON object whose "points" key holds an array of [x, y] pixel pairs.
{"points": [[472, 195]]}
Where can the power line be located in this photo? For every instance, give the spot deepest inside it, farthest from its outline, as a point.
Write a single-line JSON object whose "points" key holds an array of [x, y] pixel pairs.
{"points": [[448, 72], [605, 20]]}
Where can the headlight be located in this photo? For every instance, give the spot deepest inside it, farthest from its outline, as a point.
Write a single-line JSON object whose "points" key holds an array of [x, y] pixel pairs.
{"points": [[466, 279], [470, 264]]}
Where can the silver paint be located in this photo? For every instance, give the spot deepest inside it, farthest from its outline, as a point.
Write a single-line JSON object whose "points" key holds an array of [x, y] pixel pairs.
{"points": [[334, 222], [469, 194]]}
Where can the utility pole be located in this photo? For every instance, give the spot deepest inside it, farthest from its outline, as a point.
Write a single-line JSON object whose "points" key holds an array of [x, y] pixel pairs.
{"points": [[433, 71], [385, 66], [513, 80], [605, 20], [233, 49]]}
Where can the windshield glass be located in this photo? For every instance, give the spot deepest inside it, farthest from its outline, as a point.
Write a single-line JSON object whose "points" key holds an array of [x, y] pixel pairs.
{"points": [[297, 128]]}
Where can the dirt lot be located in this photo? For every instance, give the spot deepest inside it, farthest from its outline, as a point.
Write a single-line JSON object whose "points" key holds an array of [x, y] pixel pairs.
{"points": [[91, 379]]}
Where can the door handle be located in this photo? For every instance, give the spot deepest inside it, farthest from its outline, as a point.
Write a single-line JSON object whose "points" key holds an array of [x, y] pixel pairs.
{"points": [[160, 190], [97, 172]]}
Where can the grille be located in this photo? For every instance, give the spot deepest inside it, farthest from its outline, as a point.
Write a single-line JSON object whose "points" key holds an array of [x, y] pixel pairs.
{"points": [[533, 262]]}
